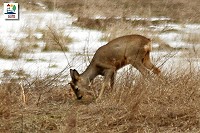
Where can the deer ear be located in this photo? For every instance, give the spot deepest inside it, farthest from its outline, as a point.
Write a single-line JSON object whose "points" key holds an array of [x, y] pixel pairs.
{"points": [[74, 74]]}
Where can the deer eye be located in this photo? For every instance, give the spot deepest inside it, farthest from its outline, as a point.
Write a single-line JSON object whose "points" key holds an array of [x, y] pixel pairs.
{"points": [[76, 88]]}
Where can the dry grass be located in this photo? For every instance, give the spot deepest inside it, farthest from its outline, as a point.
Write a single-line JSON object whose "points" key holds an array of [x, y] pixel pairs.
{"points": [[191, 38], [155, 105], [170, 104], [6, 53], [176, 9], [181, 10], [118, 29], [55, 41]]}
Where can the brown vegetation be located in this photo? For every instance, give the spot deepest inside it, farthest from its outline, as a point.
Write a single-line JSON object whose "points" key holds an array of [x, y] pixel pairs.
{"points": [[55, 41], [154, 105], [163, 105], [6, 53], [182, 10]]}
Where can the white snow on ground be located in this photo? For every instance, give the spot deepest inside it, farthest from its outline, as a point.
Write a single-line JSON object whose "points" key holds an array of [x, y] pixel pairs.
{"points": [[174, 40], [135, 18], [85, 42], [149, 19]]}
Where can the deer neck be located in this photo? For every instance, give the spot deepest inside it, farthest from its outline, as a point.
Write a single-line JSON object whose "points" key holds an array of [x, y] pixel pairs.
{"points": [[90, 73]]}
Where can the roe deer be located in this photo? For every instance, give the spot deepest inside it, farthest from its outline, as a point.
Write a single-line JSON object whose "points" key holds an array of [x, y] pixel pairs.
{"points": [[130, 49]]}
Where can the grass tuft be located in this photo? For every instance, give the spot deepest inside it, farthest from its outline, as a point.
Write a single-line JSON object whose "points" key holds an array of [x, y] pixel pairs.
{"points": [[6, 53], [55, 41], [155, 104]]}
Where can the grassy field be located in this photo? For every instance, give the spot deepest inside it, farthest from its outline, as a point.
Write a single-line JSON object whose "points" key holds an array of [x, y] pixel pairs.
{"points": [[168, 104]]}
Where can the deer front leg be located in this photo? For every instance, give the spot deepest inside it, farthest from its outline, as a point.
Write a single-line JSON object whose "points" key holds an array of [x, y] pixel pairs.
{"points": [[108, 81]]}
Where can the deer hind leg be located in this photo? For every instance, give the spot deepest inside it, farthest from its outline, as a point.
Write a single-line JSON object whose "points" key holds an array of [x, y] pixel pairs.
{"points": [[137, 63], [140, 66], [149, 65]]}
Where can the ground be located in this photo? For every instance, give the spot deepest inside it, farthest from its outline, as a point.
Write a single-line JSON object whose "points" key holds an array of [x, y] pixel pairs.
{"points": [[34, 91]]}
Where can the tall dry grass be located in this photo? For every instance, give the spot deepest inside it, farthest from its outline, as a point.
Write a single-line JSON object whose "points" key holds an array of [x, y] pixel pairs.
{"points": [[168, 104], [55, 41], [155, 105], [7, 53], [181, 10]]}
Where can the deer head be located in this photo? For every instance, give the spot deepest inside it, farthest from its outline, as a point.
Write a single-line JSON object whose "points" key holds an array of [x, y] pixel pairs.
{"points": [[78, 84]]}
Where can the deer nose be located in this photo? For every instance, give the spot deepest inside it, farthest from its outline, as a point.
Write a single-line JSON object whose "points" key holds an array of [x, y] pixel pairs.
{"points": [[79, 98]]}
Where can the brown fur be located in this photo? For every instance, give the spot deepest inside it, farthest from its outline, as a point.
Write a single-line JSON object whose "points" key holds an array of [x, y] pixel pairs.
{"points": [[130, 49]]}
